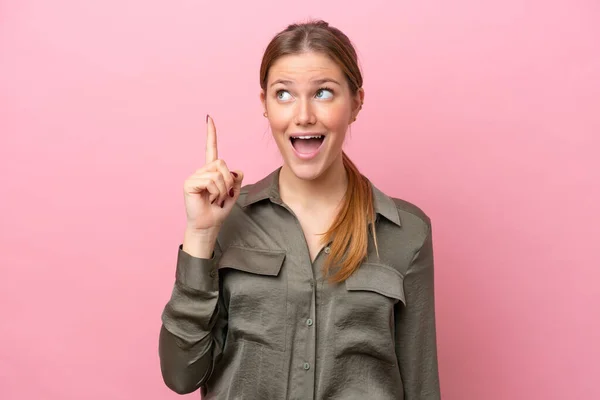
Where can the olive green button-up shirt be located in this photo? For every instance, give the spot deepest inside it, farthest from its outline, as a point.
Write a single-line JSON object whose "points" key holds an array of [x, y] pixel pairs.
{"points": [[260, 321]]}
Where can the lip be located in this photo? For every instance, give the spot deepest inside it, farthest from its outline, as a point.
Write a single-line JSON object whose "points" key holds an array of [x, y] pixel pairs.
{"points": [[307, 156]]}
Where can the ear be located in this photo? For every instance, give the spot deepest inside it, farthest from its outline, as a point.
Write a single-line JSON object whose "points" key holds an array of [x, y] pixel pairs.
{"points": [[357, 102], [263, 100]]}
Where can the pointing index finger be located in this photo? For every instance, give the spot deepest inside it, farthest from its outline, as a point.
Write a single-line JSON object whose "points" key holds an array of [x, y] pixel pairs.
{"points": [[211, 141]]}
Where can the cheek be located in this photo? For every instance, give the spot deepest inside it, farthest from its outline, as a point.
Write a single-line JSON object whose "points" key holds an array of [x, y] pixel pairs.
{"points": [[279, 124], [279, 117], [335, 117]]}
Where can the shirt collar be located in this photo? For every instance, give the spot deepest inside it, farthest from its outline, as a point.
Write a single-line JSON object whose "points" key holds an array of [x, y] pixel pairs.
{"points": [[268, 188]]}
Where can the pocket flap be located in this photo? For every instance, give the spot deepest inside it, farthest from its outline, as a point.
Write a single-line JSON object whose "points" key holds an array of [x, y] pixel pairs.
{"points": [[378, 278], [262, 262]]}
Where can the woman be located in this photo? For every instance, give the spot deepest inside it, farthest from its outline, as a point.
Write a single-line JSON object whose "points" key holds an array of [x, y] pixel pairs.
{"points": [[311, 283]]}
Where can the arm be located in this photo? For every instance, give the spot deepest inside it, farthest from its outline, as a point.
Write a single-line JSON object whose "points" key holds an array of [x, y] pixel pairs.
{"points": [[194, 323], [416, 347]]}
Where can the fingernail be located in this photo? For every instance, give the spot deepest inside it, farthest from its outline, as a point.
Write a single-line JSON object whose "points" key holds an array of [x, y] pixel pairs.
{"points": [[234, 174], [231, 192], [213, 202], [223, 203], [207, 118]]}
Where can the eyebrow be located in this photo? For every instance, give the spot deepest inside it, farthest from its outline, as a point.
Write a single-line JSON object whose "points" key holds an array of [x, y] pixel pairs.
{"points": [[316, 81]]}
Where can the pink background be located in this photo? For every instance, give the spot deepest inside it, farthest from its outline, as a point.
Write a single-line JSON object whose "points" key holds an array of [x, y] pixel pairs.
{"points": [[485, 115]]}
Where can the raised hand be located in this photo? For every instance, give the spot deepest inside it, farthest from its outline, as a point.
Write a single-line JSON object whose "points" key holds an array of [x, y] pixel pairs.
{"points": [[212, 190]]}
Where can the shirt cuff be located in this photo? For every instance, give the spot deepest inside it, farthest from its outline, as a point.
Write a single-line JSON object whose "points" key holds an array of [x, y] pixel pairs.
{"points": [[197, 273]]}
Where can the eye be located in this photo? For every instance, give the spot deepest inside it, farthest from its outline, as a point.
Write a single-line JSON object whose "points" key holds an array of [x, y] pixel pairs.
{"points": [[281, 95], [324, 93]]}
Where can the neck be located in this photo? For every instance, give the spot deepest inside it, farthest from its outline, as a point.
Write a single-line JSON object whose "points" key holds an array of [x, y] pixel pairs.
{"points": [[323, 192]]}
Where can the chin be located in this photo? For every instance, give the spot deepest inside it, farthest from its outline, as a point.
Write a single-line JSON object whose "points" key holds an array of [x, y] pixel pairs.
{"points": [[306, 171]]}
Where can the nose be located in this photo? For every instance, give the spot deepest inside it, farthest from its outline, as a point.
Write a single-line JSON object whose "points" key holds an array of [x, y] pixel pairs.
{"points": [[304, 113]]}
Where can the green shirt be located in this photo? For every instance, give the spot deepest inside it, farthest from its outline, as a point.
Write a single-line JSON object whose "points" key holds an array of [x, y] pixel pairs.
{"points": [[259, 321]]}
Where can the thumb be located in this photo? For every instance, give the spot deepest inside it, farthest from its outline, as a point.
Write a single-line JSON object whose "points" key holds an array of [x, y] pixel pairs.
{"points": [[238, 177]]}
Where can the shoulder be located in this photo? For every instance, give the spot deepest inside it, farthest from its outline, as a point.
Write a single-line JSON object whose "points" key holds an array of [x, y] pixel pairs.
{"points": [[244, 190], [406, 224], [247, 187], [402, 212], [260, 190], [402, 232], [410, 210], [415, 222]]}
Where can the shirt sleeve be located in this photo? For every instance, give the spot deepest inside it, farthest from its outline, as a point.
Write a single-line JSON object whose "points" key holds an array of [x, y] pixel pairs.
{"points": [[193, 324], [416, 347]]}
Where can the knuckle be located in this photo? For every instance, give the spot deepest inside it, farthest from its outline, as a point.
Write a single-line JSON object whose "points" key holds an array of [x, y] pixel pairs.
{"points": [[221, 178], [198, 174]]}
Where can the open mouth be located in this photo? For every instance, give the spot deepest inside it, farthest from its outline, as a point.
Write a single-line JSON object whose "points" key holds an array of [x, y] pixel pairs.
{"points": [[307, 144]]}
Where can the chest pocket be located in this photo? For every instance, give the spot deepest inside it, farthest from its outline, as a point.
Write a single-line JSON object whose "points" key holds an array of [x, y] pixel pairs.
{"points": [[255, 291], [378, 278], [364, 312]]}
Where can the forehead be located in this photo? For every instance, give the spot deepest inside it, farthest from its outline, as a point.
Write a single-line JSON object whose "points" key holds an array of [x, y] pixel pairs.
{"points": [[304, 67]]}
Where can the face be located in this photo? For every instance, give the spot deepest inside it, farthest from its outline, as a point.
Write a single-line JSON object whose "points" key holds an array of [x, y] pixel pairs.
{"points": [[309, 106]]}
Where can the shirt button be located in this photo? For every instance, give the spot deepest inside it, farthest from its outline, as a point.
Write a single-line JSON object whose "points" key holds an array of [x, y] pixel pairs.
{"points": [[306, 366], [309, 322], [327, 250], [213, 273]]}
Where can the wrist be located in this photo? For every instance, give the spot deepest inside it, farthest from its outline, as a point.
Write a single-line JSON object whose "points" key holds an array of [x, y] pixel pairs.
{"points": [[200, 243], [209, 233]]}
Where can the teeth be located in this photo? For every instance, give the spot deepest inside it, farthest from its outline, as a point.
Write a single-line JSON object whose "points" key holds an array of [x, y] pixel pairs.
{"points": [[308, 137]]}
